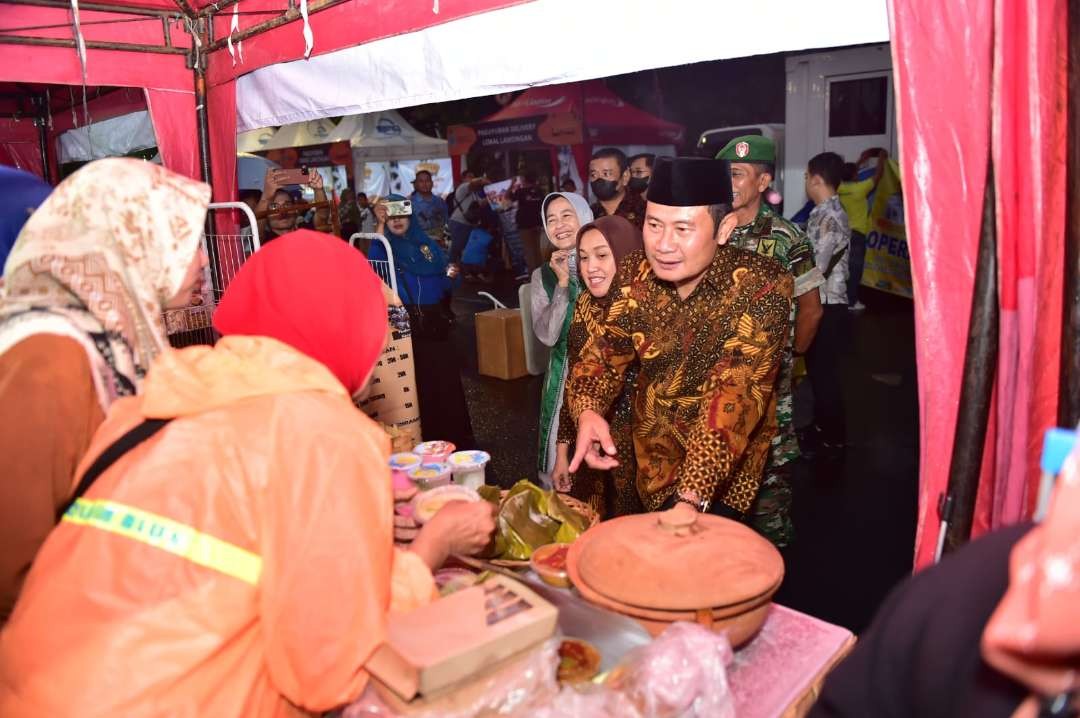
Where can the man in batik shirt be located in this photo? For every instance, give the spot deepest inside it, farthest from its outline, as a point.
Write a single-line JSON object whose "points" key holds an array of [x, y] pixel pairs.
{"points": [[708, 324], [752, 160]]}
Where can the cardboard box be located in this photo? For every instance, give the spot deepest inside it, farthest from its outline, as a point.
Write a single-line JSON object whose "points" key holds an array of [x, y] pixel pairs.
{"points": [[500, 344], [458, 637], [460, 697]]}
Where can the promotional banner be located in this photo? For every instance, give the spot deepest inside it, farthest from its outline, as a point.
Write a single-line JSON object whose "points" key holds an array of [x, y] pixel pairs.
{"points": [[564, 128], [888, 263], [382, 178], [442, 175], [334, 153]]}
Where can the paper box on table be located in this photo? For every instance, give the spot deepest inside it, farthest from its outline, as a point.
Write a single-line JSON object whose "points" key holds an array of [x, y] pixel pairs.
{"points": [[457, 637], [500, 345]]}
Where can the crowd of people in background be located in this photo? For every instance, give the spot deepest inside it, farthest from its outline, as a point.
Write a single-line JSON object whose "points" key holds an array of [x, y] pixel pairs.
{"points": [[676, 307], [530, 234]]}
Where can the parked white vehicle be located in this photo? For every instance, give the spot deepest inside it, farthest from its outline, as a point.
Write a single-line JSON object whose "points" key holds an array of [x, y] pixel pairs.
{"points": [[838, 100]]}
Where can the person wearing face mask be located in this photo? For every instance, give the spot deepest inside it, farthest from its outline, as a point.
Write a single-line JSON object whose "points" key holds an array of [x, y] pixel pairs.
{"points": [[601, 246], [609, 175], [640, 173], [708, 324], [553, 290]]}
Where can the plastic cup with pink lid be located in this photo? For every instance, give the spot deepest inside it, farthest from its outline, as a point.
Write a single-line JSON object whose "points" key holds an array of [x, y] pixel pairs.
{"points": [[428, 476], [434, 452], [468, 467], [399, 467]]}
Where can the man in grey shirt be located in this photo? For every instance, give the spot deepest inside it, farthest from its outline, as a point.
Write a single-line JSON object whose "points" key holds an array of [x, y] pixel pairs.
{"points": [[465, 197], [830, 234]]}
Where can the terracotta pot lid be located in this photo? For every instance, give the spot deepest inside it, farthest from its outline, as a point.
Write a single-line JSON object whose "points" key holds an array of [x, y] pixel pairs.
{"points": [[678, 560]]}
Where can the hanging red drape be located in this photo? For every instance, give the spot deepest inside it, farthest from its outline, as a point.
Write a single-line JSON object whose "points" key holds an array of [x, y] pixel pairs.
{"points": [[173, 115], [946, 86], [20, 146], [1029, 154]]}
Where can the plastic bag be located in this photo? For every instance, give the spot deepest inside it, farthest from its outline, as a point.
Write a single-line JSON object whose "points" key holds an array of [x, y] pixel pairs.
{"points": [[508, 691], [681, 674]]}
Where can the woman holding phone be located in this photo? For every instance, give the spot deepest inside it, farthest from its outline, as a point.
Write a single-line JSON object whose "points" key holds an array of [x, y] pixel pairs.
{"points": [[553, 291], [425, 284]]}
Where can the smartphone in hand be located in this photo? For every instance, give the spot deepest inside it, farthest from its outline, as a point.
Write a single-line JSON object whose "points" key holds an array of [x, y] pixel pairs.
{"points": [[290, 177]]}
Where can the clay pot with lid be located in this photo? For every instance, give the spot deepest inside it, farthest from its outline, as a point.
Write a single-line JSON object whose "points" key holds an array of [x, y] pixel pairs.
{"points": [[679, 565]]}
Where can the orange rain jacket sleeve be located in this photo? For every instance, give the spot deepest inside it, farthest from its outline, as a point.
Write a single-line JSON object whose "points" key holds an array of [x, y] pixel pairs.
{"points": [[327, 572], [285, 487]]}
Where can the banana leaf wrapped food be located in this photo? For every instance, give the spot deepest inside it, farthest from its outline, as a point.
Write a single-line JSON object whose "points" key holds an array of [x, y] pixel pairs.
{"points": [[529, 518]]}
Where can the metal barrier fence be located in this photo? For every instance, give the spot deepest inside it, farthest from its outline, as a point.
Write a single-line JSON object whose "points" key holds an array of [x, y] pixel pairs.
{"points": [[227, 252], [384, 268]]}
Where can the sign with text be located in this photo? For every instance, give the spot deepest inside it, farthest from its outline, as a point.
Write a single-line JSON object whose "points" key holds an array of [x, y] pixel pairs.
{"points": [[518, 133], [888, 263]]}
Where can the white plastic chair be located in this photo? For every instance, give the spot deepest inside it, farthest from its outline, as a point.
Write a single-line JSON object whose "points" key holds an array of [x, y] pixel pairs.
{"points": [[536, 352]]}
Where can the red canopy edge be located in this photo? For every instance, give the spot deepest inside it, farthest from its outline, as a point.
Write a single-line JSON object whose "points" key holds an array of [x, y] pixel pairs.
{"points": [[151, 48]]}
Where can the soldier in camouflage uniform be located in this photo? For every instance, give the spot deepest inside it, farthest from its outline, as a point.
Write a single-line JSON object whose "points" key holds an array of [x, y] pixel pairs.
{"points": [[765, 232]]}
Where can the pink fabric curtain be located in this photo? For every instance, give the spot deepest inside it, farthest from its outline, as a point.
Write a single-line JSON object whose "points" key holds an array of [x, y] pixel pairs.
{"points": [[173, 115], [953, 109], [19, 145]]}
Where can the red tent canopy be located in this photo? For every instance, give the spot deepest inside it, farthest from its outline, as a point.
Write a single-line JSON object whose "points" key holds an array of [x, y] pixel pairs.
{"points": [[581, 115], [148, 44], [607, 118]]}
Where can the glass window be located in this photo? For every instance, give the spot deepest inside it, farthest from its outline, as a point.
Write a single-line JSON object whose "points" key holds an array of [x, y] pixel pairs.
{"points": [[858, 107]]}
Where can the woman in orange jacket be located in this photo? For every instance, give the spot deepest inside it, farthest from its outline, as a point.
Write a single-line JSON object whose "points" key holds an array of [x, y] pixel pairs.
{"points": [[240, 561]]}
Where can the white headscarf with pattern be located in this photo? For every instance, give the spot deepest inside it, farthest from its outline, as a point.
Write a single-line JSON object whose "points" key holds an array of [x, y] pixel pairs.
{"points": [[98, 261]]}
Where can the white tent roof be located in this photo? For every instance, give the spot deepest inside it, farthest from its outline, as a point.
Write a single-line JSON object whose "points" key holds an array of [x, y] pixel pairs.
{"points": [[382, 136], [445, 62], [300, 134], [254, 140]]}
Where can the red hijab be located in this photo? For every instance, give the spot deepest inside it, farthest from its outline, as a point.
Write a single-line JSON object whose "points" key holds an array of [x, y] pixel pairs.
{"points": [[316, 294]]}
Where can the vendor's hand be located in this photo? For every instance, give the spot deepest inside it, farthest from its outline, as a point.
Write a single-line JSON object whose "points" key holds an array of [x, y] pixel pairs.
{"points": [[560, 475], [727, 226], [460, 527], [453, 270], [561, 266], [593, 435]]}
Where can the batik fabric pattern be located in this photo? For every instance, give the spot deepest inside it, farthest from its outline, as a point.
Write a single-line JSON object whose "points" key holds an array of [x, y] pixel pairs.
{"points": [[770, 235], [705, 407], [610, 493]]}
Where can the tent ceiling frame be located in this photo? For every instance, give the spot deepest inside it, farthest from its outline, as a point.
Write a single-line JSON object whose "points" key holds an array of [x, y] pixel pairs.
{"points": [[97, 7], [184, 11], [200, 25]]}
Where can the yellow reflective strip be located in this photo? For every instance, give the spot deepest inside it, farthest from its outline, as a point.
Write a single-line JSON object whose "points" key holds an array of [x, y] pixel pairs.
{"points": [[168, 535]]}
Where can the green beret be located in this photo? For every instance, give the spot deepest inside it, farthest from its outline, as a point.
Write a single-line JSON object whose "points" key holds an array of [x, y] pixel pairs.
{"points": [[749, 148]]}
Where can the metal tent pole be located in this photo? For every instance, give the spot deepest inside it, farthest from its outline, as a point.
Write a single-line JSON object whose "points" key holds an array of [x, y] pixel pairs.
{"points": [[1069, 391], [199, 57], [977, 387]]}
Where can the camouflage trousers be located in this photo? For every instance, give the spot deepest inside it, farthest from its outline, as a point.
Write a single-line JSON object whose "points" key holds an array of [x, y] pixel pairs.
{"points": [[770, 514]]}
